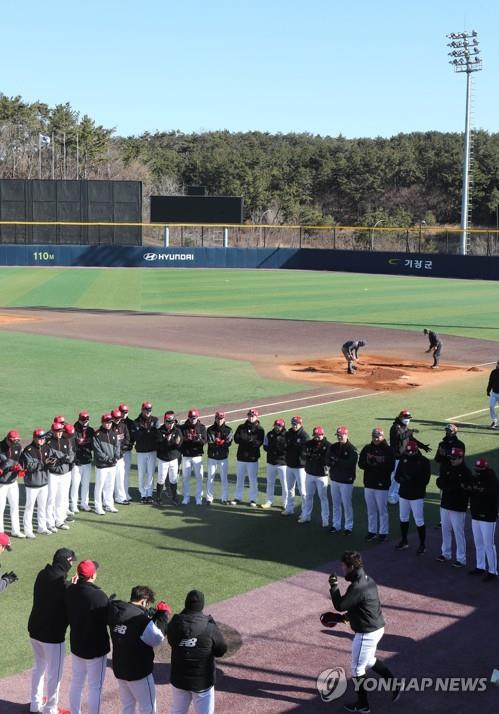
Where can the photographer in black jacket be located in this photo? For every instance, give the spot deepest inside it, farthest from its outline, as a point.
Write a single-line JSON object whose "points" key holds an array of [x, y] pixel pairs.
{"points": [[362, 610], [195, 641]]}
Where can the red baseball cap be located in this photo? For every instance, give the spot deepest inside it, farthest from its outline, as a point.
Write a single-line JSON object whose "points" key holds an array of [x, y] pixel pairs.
{"points": [[378, 431], [59, 420], [341, 430], [146, 406], [116, 413], [106, 417], [411, 447], [5, 541], [57, 426], [84, 416], [123, 408], [87, 568], [451, 427], [318, 430], [405, 414], [219, 415], [456, 452], [193, 414], [279, 422], [69, 429], [39, 433], [14, 435], [252, 412], [296, 420], [170, 416], [481, 464]]}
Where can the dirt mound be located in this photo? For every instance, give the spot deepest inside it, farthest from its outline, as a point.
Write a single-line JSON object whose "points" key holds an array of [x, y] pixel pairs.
{"points": [[376, 372], [8, 319]]}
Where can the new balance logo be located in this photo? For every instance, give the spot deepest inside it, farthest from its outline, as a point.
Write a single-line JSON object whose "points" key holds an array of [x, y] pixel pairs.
{"points": [[120, 629], [188, 643]]}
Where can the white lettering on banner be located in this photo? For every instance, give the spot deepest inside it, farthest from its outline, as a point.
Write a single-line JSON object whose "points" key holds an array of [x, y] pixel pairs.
{"points": [[188, 643], [168, 256], [418, 264]]}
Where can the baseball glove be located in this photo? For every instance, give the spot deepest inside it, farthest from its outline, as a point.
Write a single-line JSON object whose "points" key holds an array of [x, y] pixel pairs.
{"points": [[331, 619]]}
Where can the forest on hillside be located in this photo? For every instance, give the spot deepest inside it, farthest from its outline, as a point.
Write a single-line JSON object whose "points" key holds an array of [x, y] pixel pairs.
{"points": [[284, 178]]}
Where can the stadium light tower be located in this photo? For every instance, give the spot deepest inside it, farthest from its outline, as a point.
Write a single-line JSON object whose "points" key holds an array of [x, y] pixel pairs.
{"points": [[464, 54]]}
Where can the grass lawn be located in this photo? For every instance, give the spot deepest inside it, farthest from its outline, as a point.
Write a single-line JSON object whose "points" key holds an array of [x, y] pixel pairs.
{"points": [[459, 307]]}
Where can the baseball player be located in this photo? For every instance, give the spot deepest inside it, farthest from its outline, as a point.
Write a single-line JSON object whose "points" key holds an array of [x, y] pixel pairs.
{"points": [[7, 578], [484, 491], [169, 444], [82, 470], [249, 438], [87, 607], [413, 475], [123, 436], [10, 453], [350, 352], [377, 460], [69, 435], [220, 437], [106, 453], [135, 632], [436, 346], [493, 394], [145, 436], [296, 438], [192, 448], [400, 435], [343, 458], [363, 611], [444, 449], [453, 479], [47, 627], [274, 444], [317, 474], [59, 479], [127, 447]]}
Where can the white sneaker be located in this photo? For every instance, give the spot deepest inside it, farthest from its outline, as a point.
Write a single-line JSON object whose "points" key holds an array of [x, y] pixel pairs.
{"points": [[100, 512], [111, 509], [52, 529], [62, 527], [304, 520], [85, 508], [30, 535], [266, 505], [18, 535], [44, 532], [287, 513]]}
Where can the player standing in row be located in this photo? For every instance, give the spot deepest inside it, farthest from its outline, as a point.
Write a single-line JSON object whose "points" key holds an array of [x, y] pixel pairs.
{"points": [[145, 446], [106, 453], [82, 471], [274, 444], [493, 394], [350, 352], [343, 458], [169, 444], [483, 488], [317, 472], [377, 460], [454, 498], [400, 435], [127, 448], [413, 475], [59, 479], [436, 346], [249, 437], [123, 438], [194, 433], [10, 453], [296, 438], [220, 437]]}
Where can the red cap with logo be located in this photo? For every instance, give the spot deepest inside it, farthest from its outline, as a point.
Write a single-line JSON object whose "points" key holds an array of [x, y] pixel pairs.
{"points": [[123, 408], [84, 416], [341, 431], [14, 435], [280, 422], [318, 431], [59, 420], [296, 420], [193, 414], [253, 412], [481, 464], [219, 415], [87, 568], [378, 431], [456, 452], [405, 414], [39, 433], [146, 406], [69, 429], [57, 426], [106, 418], [116, 414]]}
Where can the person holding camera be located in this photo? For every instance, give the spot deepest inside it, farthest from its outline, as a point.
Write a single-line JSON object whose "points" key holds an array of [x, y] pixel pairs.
{"points": [[362, 609], [7, 578], [136, 629]]}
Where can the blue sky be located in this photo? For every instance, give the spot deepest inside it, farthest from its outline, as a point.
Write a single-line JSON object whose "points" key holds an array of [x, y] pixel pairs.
{"points": [[321, 66]]}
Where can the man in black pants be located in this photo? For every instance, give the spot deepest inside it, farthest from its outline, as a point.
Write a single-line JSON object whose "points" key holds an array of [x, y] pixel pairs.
{"points": [[350, 352], [362, 610], [493, 394], [436, 346]]}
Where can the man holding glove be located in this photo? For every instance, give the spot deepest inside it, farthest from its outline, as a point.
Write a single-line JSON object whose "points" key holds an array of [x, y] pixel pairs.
{"points": [[7, 578], [136, 629]]}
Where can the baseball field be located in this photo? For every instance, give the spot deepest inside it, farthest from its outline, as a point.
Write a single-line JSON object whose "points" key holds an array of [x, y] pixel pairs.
{"points": [[73, 339]]}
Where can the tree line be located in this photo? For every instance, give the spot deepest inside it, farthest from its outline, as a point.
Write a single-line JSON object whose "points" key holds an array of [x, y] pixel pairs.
{"points": [[284, 178]]}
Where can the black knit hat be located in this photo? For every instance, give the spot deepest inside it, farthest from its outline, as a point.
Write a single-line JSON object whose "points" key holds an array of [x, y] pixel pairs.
{"points": [[194, 601]]}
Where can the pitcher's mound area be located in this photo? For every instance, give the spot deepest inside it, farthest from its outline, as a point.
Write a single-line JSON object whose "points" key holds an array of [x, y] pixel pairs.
{"points": [[376, 372]]}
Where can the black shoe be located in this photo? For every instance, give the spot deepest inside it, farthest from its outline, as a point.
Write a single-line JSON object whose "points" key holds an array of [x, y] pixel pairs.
{"points": [[442, 559], [333, 530], [489, 577], [421, 550], [382, 537], [175, 500], [356, 707], [476, 571], [439, 525], [369, 537], [224, 503], [346, 532], [403, 545], [143, 499], [69, 518], [457, 564]]}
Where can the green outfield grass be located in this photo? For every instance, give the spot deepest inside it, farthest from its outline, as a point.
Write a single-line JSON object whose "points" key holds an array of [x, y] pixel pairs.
{"points": [[459, 307]]}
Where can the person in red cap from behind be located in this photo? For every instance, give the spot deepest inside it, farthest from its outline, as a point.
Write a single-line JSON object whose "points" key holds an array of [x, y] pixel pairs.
{"points": [[413, 475], [59, 479], [317, 470], [145, 435], [82, 470], [127, 448], [123, 435], [296, 438], [275, 446], [249, 438], [10, 453], [106, 453], [219, 436], [454, 499], [194, 433], [377, 460], [170, 439], [343, 458], [483, 488], [7, 578]]}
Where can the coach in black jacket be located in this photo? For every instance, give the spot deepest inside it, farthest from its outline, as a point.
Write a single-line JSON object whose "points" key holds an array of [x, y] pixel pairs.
{"points": [[47, 626], [484, 495], [413, 475], [362, 610], [343, 458], [452, 482], [195, 641], [87, 609]]}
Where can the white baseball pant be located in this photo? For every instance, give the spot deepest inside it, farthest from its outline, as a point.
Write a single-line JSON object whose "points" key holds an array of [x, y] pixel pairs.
{"points": [[393, 491], [49, 665], [222, 466], [85, 473], [56, 500], [204, 702], [9, 493], [364, 651], [38, 496], [95, 670], [138, 696], [127, 455], [62, 512], [275, 471], [119, 481], [319, 484], [493, 399], [486, 554], [190, 464], [146, 463], [341, 496], [414, 506], [243, 469], [377, 507], [167, 470], [294, 477], [104, 487], [453, 522]]}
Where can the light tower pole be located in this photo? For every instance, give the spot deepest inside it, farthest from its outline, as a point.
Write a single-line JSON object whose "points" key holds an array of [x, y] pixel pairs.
{"points": [[464, 56]]}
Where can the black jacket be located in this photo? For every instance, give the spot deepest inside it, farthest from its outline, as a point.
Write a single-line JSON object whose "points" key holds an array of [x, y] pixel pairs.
{"points": [[342, 462], [484, 493], [400, 434], [169, 442], [34, 462], [133, 659], [493, 384], [219, 440], [413, 474], [453, 481], [8, 473], [317, 457], [106, 448], [377, 461], [434, 339], [360, 602], [48, 620], [123, 437], [195, 641], [12, 451], [132, 427], [442, 457], [65, 453], [295, 448], [249, 438], [274, 444], [194, 438], [87, 606], [83, 444], [144, 433]]}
